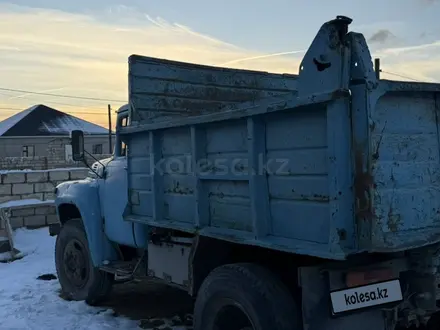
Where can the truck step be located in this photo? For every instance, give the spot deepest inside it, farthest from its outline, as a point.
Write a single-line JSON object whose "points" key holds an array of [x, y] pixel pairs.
{"points": [[123, 270]]}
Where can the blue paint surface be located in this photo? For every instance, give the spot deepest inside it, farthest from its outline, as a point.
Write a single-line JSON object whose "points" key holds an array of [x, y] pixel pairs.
{"points": [[406, 169], [114, 199], [84, 194]]}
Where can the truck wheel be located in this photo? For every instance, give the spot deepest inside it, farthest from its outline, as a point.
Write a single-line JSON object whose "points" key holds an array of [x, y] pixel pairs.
{"points": [[244, 297], [78, 278]]}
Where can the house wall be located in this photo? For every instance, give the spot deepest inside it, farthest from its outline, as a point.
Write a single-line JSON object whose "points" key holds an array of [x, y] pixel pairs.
{"points": [[48, 145], [49, 152], [44, 163]]}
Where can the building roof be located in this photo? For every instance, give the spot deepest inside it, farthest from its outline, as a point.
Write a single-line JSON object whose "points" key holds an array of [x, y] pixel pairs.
{"points": [[41, 120]]}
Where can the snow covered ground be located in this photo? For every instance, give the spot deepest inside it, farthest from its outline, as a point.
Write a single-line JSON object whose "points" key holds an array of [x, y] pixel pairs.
{"points": [[30, 303]]}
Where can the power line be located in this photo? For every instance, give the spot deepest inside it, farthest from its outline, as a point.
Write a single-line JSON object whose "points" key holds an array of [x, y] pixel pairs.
{"points": [[400, 75], [57, 103], [69, 112], [61, 95], [52, 102]]}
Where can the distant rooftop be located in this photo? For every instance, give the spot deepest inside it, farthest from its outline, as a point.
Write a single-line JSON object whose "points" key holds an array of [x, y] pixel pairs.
{"points": [[41, 120]]}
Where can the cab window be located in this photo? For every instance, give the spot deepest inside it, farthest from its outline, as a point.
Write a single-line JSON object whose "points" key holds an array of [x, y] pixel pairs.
{"points": [[122, 146], [123, 149]]}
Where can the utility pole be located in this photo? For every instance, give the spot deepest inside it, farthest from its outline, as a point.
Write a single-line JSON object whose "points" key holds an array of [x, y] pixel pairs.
{"points": [[110, 149], [377, 68]]}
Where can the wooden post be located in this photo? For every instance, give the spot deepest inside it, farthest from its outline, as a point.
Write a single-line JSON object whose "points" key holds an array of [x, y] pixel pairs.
{"points": [[110, 129]]}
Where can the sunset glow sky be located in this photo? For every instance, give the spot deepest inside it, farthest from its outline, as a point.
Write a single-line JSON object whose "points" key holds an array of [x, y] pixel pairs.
{"points": [[81, 47]]}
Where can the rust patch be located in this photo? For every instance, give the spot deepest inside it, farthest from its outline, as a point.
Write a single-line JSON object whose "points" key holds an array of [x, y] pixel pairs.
{"points": [[322, 198], [178, 189], [315, 198], [363, 183], [375, 155], [393, 221], [342, 234], [340, 93]]}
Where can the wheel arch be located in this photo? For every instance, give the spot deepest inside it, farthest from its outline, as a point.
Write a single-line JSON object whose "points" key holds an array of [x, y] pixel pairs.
{"points": [[68, 211], [100, 246], [209, 253]]}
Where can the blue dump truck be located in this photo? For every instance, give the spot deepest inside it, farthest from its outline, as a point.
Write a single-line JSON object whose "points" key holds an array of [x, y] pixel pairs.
{"points": [[277, 201]]}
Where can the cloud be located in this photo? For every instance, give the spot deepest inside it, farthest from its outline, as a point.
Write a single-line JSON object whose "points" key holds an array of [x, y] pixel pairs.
{"points": [[86, 54], [433, 47], [381, 36], [48, 49]]}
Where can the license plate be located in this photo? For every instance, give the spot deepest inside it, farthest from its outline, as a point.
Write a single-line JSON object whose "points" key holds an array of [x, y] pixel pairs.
{"points": [[366, 296]]}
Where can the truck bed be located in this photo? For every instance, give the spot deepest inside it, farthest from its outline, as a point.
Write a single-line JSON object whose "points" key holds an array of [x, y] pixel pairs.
{"points": [[291, 163]]}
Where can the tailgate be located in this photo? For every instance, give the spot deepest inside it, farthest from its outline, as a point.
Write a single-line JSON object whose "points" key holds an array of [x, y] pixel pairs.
{"points": [[405, 166]]}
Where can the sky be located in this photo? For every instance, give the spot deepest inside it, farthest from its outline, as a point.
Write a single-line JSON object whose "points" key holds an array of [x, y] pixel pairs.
{"points": [[81, 47]]}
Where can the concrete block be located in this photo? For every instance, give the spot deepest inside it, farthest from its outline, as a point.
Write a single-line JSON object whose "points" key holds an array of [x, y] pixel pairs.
{"points": [[35, 221], [59, 175], [37, 177], [22, 188], [23, 212], [44, 187], [38, 196], [45, 210], [14, 177], [16, 222], [79, 174], [5, 189], [51, 219], [49, 196], [4, 199]]}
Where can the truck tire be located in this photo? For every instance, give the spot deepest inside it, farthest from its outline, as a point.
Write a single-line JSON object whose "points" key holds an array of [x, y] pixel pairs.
{"points": [[244, 297], [78, 278]]}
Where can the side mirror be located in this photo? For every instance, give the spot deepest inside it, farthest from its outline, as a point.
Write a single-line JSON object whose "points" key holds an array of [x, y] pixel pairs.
{"points": [[77, 142]]}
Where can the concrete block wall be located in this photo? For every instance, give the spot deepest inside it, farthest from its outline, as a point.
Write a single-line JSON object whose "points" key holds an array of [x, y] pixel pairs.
{"points": [[43, 162], [20, 185]]}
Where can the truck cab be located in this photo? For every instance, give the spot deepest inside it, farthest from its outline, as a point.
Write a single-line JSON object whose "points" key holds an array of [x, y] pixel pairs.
{"points": [[95, 206]]}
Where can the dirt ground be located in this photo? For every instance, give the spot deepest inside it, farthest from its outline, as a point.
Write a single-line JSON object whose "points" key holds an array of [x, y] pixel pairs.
{"points": [[149, 302]]}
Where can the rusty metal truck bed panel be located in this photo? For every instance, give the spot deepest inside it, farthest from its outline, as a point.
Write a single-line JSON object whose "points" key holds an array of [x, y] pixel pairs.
{"points": [[196, 178], [328, 163], [162, 89], [405, 165]]}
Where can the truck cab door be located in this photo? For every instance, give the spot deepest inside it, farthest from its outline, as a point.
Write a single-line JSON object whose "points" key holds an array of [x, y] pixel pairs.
{"points": [[115, 198]]}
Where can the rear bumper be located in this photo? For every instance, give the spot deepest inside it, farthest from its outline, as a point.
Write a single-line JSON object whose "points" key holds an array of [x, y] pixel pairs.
{"points": [[54, 229]]}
